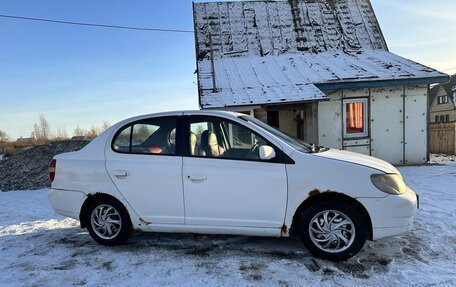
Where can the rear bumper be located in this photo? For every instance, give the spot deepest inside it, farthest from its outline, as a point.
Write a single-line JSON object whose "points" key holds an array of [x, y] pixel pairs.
{"points": [[391, 215], [66, 202]]}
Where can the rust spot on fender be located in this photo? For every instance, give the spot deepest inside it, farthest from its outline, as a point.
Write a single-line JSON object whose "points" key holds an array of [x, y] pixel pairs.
{"points": [[142, 221], [314, 192], [284, 232]]}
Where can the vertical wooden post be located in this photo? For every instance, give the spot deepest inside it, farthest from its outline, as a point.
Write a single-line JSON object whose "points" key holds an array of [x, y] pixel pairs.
{"points": [[214, 87]]}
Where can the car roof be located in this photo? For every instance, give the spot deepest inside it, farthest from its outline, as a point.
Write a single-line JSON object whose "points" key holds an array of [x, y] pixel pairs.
{"points": [[181, 113]]}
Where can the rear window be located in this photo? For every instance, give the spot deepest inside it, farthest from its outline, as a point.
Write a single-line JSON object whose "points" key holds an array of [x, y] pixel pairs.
{"points": [[153, 136]]}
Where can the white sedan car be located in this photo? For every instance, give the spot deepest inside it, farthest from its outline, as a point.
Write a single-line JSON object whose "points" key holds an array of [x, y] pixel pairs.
{"points": [[227, 173]]}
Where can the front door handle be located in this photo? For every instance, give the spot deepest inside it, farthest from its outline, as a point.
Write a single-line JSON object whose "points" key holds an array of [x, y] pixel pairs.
{"points": [[196, 177], [120, 173]]}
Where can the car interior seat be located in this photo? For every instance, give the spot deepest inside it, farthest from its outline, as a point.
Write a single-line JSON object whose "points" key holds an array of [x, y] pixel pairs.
{"points": [[209, 144], [193, 144]]}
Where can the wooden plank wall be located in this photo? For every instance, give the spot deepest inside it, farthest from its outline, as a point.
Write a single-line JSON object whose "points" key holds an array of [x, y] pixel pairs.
{"points": [[443, 138]]}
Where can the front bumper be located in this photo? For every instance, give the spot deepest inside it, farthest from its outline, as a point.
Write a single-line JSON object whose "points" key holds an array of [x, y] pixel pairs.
{"points": [[391, 215]]}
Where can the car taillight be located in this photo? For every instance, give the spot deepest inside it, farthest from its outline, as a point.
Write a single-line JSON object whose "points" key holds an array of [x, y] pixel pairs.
{"points": [[52, 170]]}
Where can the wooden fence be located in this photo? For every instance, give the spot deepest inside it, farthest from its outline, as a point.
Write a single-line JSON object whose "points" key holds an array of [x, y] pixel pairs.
{"points": [[443, 138]]}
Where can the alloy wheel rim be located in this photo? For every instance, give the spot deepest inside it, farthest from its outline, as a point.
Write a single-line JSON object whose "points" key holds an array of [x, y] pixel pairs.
{"points": [[105, 221], [332, 231]]}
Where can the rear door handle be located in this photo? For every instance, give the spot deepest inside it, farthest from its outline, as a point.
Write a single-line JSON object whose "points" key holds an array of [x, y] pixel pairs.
{"points": [[120, 173], [196, 177]]}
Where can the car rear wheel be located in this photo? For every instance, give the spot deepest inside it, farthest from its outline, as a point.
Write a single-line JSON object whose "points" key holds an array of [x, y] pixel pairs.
{"points": [[332, 230], [109, 222]]}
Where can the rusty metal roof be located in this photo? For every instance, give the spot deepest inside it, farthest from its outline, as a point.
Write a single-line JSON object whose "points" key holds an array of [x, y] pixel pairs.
{"points": [[276, 51]]}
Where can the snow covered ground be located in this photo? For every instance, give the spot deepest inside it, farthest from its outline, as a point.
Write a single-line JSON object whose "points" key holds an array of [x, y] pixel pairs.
{"points": [[40, 248]]}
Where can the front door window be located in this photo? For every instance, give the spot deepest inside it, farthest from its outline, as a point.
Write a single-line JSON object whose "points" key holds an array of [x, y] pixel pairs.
{"points": [[216, 137]]}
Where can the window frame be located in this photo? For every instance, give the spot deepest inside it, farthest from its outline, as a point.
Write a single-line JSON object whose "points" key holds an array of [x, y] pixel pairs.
{"points": [[178, 148], [280, 158], [441, 100], [365, 102]]}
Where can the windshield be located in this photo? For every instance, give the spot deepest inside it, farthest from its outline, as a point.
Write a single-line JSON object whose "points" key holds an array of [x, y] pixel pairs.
{"points": [[294, 142]]}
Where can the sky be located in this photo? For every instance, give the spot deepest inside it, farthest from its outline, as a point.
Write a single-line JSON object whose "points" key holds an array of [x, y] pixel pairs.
{"points": [[82, 76]]}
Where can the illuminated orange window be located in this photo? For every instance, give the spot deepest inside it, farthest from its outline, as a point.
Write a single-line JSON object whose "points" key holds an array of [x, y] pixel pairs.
{"points": [[355, 115], [355, 118]]}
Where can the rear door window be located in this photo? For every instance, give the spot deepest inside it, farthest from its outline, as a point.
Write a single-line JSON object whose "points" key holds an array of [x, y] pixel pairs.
{"points": [[152, 136]]}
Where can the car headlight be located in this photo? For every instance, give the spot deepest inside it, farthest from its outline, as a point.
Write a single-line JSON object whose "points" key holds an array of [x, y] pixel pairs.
{"points": [[389, 183]]}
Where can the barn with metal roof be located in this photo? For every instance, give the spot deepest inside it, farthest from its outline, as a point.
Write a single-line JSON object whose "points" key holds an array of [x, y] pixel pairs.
{"points": [[319, 70]]}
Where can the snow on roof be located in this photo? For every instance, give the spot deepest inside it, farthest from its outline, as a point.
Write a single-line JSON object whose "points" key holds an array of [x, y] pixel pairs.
{"points": [[270, 28], [290, 77], [275, 51], [258, 95]]}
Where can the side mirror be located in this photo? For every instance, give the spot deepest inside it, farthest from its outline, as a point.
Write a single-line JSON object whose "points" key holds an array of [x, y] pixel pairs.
{"points": [[267, 152]]}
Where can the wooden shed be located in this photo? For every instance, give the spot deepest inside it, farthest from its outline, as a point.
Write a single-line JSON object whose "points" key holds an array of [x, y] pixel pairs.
{"points": [[319, 70]]}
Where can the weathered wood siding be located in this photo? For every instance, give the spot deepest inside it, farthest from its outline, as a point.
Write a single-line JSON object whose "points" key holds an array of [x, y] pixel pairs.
{"points": [[443, 138]]}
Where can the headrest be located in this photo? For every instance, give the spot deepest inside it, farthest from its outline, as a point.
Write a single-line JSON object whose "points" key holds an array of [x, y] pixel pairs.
{"points": [[212, 141], [192, 139]]}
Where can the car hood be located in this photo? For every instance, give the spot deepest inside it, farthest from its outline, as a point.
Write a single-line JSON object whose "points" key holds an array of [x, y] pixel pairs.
{"points": [[359, 159]]}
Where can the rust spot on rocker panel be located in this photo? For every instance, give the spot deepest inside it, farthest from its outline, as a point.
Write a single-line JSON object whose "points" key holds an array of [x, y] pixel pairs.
{"points": [[142, 221], [284, 232]]}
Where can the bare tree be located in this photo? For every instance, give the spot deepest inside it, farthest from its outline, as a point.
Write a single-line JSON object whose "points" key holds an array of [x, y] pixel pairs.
{"points": [[61, 134], [41, 131], [79, 132], [104, 126], [3, 136], [92, 133]]}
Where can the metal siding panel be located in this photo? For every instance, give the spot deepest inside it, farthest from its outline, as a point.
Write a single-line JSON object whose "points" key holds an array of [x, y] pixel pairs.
{"points": [[329, 122], [386, 124], [358, 149], [358, 93], [415, 125], [356, 142]]}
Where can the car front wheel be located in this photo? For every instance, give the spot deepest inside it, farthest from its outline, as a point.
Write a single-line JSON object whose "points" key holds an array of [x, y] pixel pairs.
{"points": [[109, 222], [332, 230]]}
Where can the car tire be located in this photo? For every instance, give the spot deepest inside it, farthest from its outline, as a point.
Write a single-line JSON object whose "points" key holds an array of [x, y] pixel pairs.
{"points": [[332, 230], [108, 222]]}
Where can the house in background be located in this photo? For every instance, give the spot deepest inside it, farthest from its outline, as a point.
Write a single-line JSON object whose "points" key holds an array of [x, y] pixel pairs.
{"points": [[319, 70], [442, 98], [25, 140], [442, 114]]}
